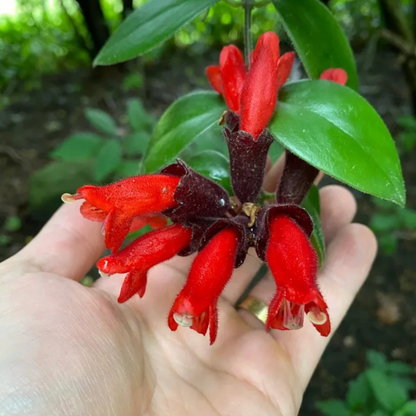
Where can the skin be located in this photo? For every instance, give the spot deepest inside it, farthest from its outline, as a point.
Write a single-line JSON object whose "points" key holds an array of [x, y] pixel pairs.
{"points": [[66, 349]]}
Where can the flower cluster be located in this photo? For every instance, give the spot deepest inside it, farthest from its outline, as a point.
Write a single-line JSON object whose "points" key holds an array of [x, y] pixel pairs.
{"points": [[219, 227]]}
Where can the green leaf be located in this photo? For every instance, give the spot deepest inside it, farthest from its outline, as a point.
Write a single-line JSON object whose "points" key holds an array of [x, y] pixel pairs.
{"points": [[101, 120], [13, 223], [108, 159], [359, 393], [388, 242], [49, 183], [79, 146], [409, 218], [128, 168], [148, 26], [379, 413], [399, 367], [213, 165], [312, 205], [333, 408], [181, 123], [389, 395], [337, 131], [136, 143], [409, 409], [376, 359], [385, 222], [317, 37], [137, 115]]}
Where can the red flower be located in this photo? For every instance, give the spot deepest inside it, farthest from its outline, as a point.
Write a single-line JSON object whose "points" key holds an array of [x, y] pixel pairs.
{"points": [[120, 203], [293, 263], [228, 77], [337, 75], [142, 254], [196, 304], [252, 95]]}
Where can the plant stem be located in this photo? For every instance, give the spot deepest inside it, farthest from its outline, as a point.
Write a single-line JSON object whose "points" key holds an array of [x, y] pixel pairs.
{"points": [[247, 32], [256, 4]]}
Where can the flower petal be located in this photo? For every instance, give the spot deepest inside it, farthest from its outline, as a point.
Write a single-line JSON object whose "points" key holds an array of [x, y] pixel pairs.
{"points": [[284, 66], [214, 77], [259, 95], [337, 75], [233, 74]]}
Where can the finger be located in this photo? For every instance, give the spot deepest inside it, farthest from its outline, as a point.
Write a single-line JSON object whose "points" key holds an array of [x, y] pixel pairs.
{"points": [[67, 245], [349, 259], [338, 208]]}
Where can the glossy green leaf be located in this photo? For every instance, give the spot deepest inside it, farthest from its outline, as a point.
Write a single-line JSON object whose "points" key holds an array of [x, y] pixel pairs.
{"points": [[148, 26], [213, 165], [317, 37], [388, 394], [79, 146], [108, 159], [101, 120], [182, 122], [312, 205], [336, 130]]}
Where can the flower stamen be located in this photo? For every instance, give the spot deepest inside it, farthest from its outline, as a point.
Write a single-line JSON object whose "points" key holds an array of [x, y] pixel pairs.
{"points": [[292, 315], [316, 316], [183, 319], [69, 198]]}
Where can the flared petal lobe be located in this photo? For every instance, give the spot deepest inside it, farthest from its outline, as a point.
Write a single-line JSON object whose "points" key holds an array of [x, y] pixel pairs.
{"points": [[196, 304], [259, 95], [214, 77], [142, 254], [337, 75], [293, 263], [233, 74], [120, 203]]}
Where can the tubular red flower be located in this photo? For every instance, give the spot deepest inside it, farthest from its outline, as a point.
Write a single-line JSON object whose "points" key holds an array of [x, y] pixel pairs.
{"points": [[337, 75], [142, 254], [228, 77], [119, 203], [196, 304], [293, 263], [259, 95]]}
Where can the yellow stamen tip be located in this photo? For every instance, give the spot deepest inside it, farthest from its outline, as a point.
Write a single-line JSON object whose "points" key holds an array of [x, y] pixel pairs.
{"points": [[183, 319], [68, 198], [317, 318]]}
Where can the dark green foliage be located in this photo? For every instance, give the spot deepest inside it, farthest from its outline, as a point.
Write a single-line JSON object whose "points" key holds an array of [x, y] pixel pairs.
{"points": [[384, 389]]}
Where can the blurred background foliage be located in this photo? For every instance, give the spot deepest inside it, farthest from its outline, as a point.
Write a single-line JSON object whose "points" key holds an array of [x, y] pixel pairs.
{"points": [[39, 37]]}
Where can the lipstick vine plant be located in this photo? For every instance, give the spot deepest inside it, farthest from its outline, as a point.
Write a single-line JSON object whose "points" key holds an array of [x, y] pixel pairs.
{"points": [[323, 124]]}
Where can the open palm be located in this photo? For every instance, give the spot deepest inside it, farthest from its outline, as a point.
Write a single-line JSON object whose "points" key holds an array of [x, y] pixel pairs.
{"points": [[66, 349]]}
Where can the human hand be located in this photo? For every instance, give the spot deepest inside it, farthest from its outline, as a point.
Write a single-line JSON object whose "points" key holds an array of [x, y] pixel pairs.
{"points": [[71, 350]]}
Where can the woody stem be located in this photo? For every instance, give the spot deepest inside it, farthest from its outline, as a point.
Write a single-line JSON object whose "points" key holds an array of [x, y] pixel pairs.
{"points": [[247, 31]]}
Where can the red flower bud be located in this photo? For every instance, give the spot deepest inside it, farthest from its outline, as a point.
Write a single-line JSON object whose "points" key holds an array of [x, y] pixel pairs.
{"points": [[267, 74], [196, 304], [142, 254], [119, 203], [228, 78], [293, 263], [337, 75]]}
